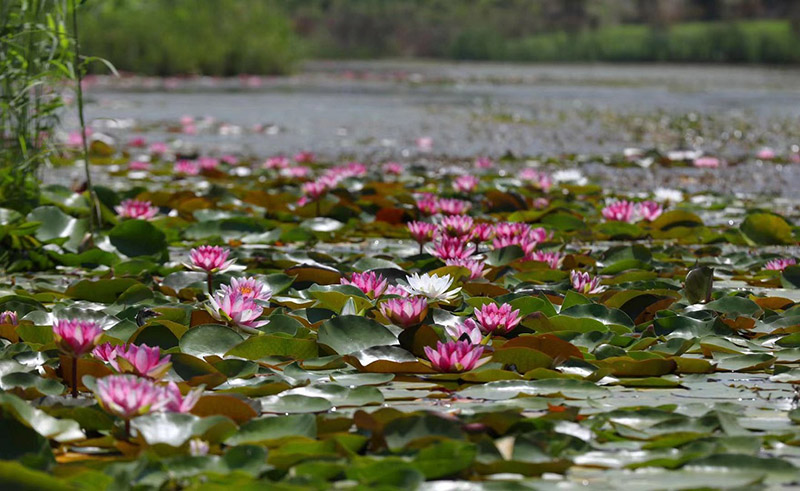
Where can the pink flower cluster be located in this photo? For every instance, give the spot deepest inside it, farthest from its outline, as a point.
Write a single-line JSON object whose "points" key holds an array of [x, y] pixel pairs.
{"points": [[465, 184], [519, 234], [186, 167], [127, 396], [537, 178], [780, 264], [141, 210], [429, 204], [628, 211], [139, 360]]}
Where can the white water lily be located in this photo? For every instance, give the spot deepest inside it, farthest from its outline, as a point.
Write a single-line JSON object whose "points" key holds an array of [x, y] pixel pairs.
{"points": [[434, 287], [667, 194]]}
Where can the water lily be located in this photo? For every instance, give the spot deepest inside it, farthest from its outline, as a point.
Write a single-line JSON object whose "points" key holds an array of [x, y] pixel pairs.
{"points": [[179, 403], [159, 148], [211, 259], [706, 162], [766, 153], [131, 208], [475, 266], [619, 211], [649, 210], [372, 284], [422, 232], [468, 330], [428, 206], [482, 232], [186, 167], [141, 360], [128, 396], [393, 168], [208, 163], [484, 163], [247, 288], [243, 312], [454, 356], [497, 319], [434, 287], [76, 337], [452, 248], [583, 283], [465, 184], [456, 225], [424, 143], [405, 312], [106, 352], [780, 264], [537, 178], [139, 165], [304, 157], [551, 258], [8, 317], [278, 162], [452, 206]]}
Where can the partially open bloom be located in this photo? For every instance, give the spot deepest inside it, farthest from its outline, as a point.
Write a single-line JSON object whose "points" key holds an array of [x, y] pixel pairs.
{"points": [[106, 352], [396, 290], [538, 179], [141, 360], [450, 206], [296, 171], [139, 165], [373, 285], [76, 337], [405, 312], [279, 162], [211, 259], [456, 225], [583, 283], [422, 232], [766, 153], [433, 287], [243, 312], [127, 395], [315, 189], [474, 266], [248, 288], [208, 163], [186, 167], [179, 403], [499, 320], [304, 157], [131, 208], [8, 317], [552, 259], [454, 356], [482, 232], [393, 168], [484, 163], [424, 143], [619, 211], [468, 330], [158, 148], [649, 210], [465, 184], [780, 264], [428, 206], [452, 248]]}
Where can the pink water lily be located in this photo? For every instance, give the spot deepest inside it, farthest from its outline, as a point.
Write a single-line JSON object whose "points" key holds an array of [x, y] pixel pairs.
{"points": [[649, 210], [451, 206], [484, 163], [179, 403], [248, 288], [619, 211], [304, 158], [583, 283], [186, 167], [780, 264], [465, 184], [131, 208], [456, 225], [139, 165], [538, 179], [8, 317], [278, 162], [296, 172], [373, 285], [467, 330], [159, 148], [211, 259], [551, 258], [497, 319], [424, 143], [208, 163], [428, 206], [76, 337], [706, 162], [454, 356], [141, 360], [314, 190], [422, 232], [127, 396], [482, 232], [452, 248], [405, 312], [243, 312], [475, 266], [106, 352], [393, 168], [766, 153]]}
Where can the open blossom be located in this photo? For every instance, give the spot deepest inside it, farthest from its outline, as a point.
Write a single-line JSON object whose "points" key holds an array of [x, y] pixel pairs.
{"points": [[186, 167], [247, 288], [278, 162], [552, 259], [198, 447], [315, 189], [106, 352], [499, 320], [373, 285], [484, 163], [482, 232], [211, 259], [131, 208], [474, 266], [139, 165], [780, 264], [424, 143], [304, 157], [422, 232], [428, 206], [706, 162], [141, 360], [405, 312], [137, 141], [619, 211], [208, 163], [434, 287], [76, 337], [296, 171], [394, 168], [243, 312], [468, 330], [179, 403], [456, 225], [8, 317], [451, 206], [538, 179], [230, 159], [127, 395], [452, 248], [649, 210], [766, 153], [465, 184], [583, 283], [454, 356], [396, 290], [158, 148]]}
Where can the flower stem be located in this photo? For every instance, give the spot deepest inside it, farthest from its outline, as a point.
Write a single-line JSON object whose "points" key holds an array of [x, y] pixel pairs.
{"points": [[318, 207], [127, 428], [74, 377], [210, 284], [421, 248]]}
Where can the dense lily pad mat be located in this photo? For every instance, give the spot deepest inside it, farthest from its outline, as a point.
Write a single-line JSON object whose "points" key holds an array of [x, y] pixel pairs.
{"points": [[400, 327]]}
